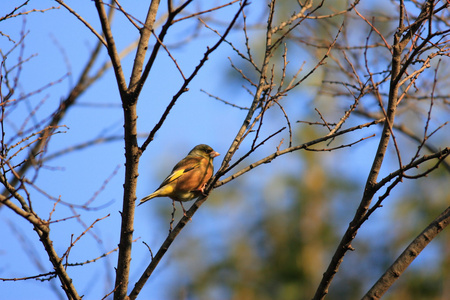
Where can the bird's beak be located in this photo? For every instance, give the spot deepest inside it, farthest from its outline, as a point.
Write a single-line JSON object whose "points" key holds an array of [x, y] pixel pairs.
{"points": [[214, 154]]}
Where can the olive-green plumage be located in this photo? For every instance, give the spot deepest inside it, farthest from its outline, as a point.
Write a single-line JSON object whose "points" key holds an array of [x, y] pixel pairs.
{"points": [[189, 177]]}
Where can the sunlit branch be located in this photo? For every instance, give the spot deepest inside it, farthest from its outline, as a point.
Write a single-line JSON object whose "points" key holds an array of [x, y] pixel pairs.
{"points": [[408, 255], [271, 157]]}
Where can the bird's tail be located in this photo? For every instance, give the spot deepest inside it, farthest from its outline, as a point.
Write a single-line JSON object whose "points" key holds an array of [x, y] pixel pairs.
{"points": [[145, 199]]}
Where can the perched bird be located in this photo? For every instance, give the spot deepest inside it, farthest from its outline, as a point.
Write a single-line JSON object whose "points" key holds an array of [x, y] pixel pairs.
{"points": [[189, 177]]}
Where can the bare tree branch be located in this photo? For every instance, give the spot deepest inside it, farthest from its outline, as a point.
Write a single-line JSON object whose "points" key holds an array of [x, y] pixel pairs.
{"points": [[173, 234], [186, 82], [408, 255], [100, 38], [111, 47], [401, 38]]}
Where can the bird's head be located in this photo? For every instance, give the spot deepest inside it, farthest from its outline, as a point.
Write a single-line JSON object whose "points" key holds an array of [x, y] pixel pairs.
{"points": [[204, 150]]}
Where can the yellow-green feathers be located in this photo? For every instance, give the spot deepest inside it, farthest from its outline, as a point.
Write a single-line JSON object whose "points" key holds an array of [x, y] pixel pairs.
{"points": [[189, 177]]}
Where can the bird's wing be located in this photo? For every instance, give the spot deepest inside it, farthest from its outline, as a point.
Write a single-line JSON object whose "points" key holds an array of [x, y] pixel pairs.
{"points": [[185, 165]]}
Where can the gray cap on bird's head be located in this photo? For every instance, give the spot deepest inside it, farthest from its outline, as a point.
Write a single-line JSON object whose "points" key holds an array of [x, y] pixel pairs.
{"points": [[203, 149]]}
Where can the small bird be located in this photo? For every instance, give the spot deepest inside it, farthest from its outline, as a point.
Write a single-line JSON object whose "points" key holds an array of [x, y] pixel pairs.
{"points": [[189, 176]]}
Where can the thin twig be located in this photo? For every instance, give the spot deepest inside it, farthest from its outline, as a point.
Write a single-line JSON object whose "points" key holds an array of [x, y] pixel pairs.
{"points": [[341, 146], [273, 156], [224, 101], [81, 235], [73, 12]]}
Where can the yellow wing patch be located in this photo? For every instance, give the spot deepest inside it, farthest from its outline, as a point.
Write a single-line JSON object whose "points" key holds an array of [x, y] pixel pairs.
{"points": [[181, 168]]}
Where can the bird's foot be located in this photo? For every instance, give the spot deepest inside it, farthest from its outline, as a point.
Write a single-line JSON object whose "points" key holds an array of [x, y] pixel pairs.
{"points": [[202, 189], [184, 211]]}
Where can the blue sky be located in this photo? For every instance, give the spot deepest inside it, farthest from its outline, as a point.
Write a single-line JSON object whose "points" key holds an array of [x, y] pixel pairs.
{"points": [[58, 43]]}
